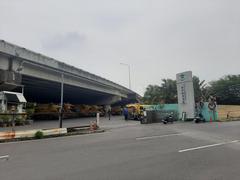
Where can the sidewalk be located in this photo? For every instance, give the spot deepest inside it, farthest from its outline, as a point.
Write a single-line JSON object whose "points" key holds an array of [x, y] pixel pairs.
{"points": [[115, 122]]}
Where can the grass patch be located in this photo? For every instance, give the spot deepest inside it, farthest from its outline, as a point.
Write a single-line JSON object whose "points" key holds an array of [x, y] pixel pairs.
{"points": [[39, 135], [228, 112]]}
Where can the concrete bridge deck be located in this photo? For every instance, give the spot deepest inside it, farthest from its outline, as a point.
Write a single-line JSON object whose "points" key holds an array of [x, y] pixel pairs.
{"points": [[41, 77]]}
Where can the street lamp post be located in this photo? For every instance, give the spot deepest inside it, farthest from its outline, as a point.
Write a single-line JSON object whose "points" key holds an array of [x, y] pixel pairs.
{"points": [[20, 68], [61, 105], [129, 74]]}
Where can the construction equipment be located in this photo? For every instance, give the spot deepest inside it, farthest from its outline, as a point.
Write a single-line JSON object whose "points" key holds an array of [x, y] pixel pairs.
{"points": [[46, 111], [135, 111], [51, 111]]}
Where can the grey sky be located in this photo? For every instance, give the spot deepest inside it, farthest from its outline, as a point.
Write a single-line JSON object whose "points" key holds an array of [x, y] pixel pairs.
{"points": [[158, 38]]}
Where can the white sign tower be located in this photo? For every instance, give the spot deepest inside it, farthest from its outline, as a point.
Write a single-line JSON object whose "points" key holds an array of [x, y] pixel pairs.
{"points": [[185, 91]]}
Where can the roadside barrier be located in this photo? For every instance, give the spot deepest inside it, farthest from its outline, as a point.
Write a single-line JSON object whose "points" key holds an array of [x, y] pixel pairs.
{"points": [[31, 133]]}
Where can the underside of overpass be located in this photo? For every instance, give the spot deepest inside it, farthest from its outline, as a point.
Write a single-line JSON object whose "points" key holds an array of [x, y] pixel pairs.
{"points": [[43, 91]]}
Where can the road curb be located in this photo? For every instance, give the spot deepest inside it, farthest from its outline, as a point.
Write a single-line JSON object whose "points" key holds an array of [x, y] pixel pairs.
{"points": [[49, 133], [9, 135]]}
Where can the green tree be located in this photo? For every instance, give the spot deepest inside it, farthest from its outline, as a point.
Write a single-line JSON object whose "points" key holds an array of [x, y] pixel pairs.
{"points": [[152, 94], [200, 90], [227, 89], [167, 91]]}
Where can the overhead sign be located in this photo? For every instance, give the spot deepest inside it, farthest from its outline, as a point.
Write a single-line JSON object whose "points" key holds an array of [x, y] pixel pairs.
{"points": [[186, 94]]}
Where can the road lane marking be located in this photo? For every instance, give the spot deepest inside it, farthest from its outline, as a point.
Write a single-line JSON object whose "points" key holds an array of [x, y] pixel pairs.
{"points": [[4, 157], [208, 146], [159, 136]]}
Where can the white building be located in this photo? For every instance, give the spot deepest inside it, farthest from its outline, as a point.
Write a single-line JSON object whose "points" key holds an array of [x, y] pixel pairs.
{"points": [[10, 100]]}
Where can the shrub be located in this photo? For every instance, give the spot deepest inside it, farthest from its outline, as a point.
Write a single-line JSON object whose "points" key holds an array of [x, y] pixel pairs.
{"points": [[5, 119], [39, 135], [19, 120], [30, 113]]}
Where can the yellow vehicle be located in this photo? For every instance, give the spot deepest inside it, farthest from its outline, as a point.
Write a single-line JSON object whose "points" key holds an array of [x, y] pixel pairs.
{"points": [[135, 111]]}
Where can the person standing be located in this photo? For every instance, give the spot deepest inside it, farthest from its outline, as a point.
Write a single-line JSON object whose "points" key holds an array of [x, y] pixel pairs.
{"points": [[125, 113], [109, 112]]}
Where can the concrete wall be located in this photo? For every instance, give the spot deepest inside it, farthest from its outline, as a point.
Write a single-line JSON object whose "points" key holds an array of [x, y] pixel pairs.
{"points": [[3, 62], [208, 115]]}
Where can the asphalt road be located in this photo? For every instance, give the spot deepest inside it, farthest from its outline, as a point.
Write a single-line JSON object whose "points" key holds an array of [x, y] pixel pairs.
{"points": [[46, 124], [130, 151]]}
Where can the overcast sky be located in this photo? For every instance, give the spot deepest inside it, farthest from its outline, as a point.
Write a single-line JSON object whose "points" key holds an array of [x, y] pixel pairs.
{"points": [[158, 38]]}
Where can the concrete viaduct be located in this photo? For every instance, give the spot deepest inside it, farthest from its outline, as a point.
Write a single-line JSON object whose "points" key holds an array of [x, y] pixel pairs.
{"points": [[41, 77]]}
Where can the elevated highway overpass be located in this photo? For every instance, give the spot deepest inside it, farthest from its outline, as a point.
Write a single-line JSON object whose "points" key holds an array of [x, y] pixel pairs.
{"points": [[41, 77]]}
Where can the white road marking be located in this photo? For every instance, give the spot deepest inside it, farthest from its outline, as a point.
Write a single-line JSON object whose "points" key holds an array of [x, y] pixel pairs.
{"points": [[159, 136], [208, 146], [4, 157]]}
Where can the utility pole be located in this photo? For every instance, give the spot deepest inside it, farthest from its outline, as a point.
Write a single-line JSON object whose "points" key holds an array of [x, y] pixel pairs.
{"points": [[61, 105]]}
